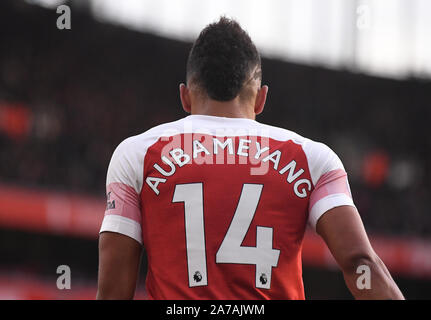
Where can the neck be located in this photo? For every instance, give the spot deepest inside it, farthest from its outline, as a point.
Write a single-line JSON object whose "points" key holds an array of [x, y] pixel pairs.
{"points": [[230, 109]]}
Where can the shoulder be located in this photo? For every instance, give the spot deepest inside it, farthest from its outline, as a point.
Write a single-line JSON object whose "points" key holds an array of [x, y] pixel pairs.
{"points": [[127, 161], [136, 145], [320, 157], [309, 146], [147, 137], [281, 134]]}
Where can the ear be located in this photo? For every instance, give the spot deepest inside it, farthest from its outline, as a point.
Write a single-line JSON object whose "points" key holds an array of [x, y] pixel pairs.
{"points": [[261, 100], [185, 98]]}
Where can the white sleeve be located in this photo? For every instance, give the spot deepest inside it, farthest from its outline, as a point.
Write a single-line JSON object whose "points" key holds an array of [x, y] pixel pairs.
{"points": [[123, 186], [331, 186]]}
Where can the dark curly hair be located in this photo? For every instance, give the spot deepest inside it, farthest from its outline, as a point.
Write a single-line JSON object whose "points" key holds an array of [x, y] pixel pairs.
{"points": [[222, 60]]}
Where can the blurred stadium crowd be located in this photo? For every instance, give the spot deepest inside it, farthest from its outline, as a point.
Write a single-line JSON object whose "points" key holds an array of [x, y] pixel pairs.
{"points": [[67, 98]]}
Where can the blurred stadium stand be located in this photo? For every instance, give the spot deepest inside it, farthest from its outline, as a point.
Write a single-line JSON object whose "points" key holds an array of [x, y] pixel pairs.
{"points": [[68, 98]]}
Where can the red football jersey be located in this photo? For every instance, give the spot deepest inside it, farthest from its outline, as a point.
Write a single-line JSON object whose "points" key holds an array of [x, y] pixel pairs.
{"points": [[221, 206]]}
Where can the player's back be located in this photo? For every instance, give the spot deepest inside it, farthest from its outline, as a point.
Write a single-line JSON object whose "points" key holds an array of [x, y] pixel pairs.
{"points": [[221, 205]]}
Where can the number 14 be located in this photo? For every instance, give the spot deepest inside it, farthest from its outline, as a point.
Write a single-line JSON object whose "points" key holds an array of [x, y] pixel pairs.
{"points": [[263, 256]]}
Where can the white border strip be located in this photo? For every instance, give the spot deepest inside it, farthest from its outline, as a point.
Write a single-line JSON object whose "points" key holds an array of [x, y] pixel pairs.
{"points": [[325, 204], [122, 225]]}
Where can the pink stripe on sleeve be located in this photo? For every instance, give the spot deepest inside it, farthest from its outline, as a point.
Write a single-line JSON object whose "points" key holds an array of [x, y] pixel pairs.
{"points": [[333, 182], [123, 201]]}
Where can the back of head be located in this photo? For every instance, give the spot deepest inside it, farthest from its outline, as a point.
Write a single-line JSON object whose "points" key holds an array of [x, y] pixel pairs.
{"points": [[222, 60]]}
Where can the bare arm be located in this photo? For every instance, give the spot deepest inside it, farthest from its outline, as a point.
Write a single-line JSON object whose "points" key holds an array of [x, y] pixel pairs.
{"points": [[343, 231], [119, 260]]}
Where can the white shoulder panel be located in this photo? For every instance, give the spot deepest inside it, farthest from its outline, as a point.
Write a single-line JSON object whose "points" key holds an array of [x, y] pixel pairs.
{"points": [[321, 159], [127, 162]]}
